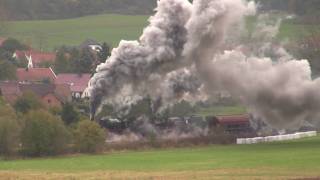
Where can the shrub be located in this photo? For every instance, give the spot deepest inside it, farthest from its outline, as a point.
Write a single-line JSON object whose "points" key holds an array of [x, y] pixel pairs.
{"points": [[28, 101], [12, 45], [69, 114], [7, 70], [9, 131], [89, 137], [43, 134]]}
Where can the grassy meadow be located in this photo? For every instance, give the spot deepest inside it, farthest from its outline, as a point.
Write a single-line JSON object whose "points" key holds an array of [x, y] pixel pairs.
{"points": [[111, 28], [54, 33], [221, 110], [280, 160]]}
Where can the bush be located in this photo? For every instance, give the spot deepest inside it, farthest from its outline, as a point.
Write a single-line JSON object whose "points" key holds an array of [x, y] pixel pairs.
{"points": [[7, 70], [89, 137], [43, 134], [69, 114], [28, 101], [9, 131], [12, 45]]}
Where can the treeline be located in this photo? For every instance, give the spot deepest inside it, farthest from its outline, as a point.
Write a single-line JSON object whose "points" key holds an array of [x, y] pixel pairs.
{"points": [[28, 128], [59, 9]]}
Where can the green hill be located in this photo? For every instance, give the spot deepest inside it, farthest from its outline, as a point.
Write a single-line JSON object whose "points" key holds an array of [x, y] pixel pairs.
{"points": [[48, 34]]}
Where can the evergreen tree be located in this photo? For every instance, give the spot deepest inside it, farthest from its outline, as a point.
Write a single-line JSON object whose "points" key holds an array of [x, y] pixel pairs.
{"points": [[69, 114], [84, 63], [7, 70], [104, 53]]}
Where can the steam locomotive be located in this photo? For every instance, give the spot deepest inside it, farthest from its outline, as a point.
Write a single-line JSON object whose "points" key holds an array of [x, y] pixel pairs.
{"points": [[235, 124]]}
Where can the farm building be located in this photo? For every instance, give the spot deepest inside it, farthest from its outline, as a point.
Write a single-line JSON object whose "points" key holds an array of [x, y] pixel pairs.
{"points": [[35, 75], [50, 95], [38, 58], [79, 84], [235, 124]]}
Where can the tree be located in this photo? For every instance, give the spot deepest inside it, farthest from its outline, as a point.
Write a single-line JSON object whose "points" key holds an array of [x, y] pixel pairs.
{"points": [[11, 45], [74, 60], [9, 130], [7, 70], [84, 63], [62, 63], [89, 137], [43, 134], [181, 109], [28, 101], [69, 114], [104, 53]]}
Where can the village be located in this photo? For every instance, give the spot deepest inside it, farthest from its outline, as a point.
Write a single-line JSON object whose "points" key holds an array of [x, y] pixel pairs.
{"points": [[159, 89], [56, 90]]}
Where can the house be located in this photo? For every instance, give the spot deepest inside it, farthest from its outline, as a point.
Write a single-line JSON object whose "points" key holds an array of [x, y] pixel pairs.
{"points": [[38, 58], [79, 84], [235, 124], [35, 75], [50, 95]]}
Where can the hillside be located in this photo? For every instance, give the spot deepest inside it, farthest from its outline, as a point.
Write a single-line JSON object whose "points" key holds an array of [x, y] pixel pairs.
{"points": [[48, 34], [61, 9], [281, 160]]}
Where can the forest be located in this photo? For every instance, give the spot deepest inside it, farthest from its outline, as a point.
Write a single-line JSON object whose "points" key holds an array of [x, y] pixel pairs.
{"points": [[61, 9]]}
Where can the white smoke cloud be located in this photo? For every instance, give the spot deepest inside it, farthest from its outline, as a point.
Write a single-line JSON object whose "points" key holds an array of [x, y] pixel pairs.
{"points": [[181, 55], [283, 93]]}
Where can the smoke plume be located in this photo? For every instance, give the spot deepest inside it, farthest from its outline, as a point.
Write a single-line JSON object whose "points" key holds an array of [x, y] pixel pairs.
{"points": [[182, 55]]}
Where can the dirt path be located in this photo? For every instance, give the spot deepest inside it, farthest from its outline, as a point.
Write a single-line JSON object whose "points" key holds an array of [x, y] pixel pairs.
{"points": [[244, 174]]}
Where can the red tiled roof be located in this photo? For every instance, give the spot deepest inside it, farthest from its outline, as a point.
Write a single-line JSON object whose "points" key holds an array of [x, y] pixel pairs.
{"points": [[35, 74], [233, 119], [37, 57], [78, 82], [12, 90]]}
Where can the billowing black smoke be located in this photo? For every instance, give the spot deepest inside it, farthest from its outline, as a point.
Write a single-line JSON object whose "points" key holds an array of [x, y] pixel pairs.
{"points": [[181, 55]]}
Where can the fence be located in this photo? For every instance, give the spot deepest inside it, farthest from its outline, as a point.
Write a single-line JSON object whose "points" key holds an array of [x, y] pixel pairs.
{"points": [[284, 137]]}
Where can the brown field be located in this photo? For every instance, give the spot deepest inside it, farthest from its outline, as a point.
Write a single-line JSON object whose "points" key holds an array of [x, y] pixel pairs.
{"points": [[245, 174]]}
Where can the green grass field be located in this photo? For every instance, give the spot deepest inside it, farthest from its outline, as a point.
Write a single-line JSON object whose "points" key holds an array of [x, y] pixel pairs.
{"points": [[109, 27], [54, 33], [281, 160], [221, 110]]}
